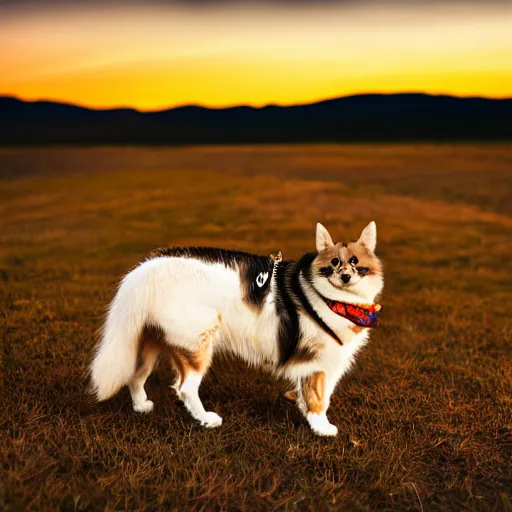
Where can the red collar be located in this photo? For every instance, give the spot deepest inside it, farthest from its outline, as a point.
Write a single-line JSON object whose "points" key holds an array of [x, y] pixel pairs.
{"points": [[364, 315]]}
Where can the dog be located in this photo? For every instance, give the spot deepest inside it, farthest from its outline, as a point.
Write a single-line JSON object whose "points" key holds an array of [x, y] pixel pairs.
{"points": [[303, 320]]}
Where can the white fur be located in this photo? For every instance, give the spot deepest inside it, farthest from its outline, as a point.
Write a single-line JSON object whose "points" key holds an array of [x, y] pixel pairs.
{"points": [[189, 394], [187, 297], [320, 424]]}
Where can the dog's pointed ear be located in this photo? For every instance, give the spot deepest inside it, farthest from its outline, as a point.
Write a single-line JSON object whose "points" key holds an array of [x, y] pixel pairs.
{"points": [[369, 236], [323, 238]]}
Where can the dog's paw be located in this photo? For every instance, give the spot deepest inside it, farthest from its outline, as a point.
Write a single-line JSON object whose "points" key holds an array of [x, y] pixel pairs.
{"points": [[211, 420], [321, 426], [328, 430], [144, 407]]}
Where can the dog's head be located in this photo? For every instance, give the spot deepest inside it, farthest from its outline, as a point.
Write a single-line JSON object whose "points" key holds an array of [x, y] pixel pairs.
{"points": [[347, 267]]}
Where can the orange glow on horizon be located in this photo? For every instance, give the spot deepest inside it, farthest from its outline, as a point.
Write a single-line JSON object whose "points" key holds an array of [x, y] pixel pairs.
{"points": [[151, 58]]}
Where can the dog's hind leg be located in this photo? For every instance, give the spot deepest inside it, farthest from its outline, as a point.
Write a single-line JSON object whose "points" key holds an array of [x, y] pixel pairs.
{"points": [[192, 366], [148, 353]]}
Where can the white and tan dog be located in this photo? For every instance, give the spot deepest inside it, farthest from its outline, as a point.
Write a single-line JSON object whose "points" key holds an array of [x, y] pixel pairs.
{"points": [[284, 316]]}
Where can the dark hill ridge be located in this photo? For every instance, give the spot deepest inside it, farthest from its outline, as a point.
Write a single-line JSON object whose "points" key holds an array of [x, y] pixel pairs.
{"points": [[362, 117]]}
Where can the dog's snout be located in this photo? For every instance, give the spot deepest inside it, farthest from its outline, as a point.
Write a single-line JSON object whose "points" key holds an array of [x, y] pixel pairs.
{"points": [[345, 278]]}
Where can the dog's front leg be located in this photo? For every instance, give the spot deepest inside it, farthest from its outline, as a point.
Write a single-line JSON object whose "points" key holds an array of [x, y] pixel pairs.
{"points": [[313, 400]]}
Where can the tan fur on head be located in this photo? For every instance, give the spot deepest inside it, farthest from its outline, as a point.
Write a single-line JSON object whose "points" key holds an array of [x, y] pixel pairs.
{"points": [[348, 266]]}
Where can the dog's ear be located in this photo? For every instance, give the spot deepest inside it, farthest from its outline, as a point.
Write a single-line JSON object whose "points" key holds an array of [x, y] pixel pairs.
{"points": [[323, 238], [369, 236]]}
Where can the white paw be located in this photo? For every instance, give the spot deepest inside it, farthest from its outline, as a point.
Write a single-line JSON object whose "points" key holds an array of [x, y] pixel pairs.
{"points": [[211, 420], [328, 430], [146, 406], [321, 426]]}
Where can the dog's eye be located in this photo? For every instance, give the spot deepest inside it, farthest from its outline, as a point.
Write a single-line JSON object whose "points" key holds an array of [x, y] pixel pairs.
{"points": [[326, 271], [353, 260], [363, 270], [335, 262]]}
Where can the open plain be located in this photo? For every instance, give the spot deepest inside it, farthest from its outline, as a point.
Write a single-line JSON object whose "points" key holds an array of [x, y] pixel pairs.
{"points": [[425, 417]]}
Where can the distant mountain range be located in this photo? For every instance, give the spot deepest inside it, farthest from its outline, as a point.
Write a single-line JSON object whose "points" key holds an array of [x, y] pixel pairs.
{"points": [[352, 118]]}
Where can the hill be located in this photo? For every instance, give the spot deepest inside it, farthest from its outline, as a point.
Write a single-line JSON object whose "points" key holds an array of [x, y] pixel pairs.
{"points": [[362, 117]]}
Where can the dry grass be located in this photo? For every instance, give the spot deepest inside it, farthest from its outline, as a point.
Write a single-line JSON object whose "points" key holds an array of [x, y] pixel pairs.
{"points": [[425, 419]]}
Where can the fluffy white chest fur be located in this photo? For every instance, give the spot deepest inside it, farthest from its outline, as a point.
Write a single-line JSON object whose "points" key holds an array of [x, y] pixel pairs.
{"points": [[190, 303]]}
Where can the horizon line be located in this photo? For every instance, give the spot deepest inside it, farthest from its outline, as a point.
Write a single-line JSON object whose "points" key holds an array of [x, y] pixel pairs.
{"points": [[246, 105]]}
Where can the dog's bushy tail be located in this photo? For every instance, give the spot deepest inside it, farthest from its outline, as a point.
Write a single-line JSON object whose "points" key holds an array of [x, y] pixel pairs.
{"points": [[115, 359]]}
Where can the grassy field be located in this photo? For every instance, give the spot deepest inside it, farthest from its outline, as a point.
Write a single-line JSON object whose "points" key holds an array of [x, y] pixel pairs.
{"points": [[425, 418]]}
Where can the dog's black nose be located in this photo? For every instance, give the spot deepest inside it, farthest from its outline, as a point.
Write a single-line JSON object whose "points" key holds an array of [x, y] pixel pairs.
{"points": [[345, 278]]}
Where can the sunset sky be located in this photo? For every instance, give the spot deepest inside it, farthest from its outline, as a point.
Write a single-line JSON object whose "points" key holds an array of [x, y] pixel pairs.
{"points": [[152, 55]]}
